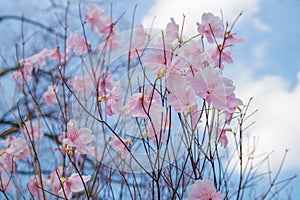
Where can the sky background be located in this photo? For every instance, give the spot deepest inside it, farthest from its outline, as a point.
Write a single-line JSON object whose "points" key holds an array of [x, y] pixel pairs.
{"points": [[266, 66]]}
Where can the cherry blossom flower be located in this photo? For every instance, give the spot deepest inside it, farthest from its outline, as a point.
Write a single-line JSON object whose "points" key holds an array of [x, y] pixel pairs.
{"points": [[120, 145], [83, 84], [35, 187], [24, 71], [172, 30], [113, 102], [72, 184], [50, 95], [138, 41], [16, 149], [140, 105], [156, 127], [182, 96], [53, 180], [32, 130], [38, 58], [211, 26], [77, 43], [231, 104], [77, 138], [204, 190], [96, 17], [216, 55], [210, 85], [55, 55]]}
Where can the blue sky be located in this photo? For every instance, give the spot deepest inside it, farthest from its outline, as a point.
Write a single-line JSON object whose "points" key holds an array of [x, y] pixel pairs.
{"points": [[266, 66]]}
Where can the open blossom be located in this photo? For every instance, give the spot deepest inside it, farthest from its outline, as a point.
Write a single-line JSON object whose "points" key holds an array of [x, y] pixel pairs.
{"points": [[72, 184], [182, 96], [96, 17], [210, 85], [35, 187], [24, 71], [138, 41], [172, 30], [231, 104], [50, 95], [78, 138], [83, 84], [77, 43], [204, 190], [211, 26], [53, 180], [141, 105], [120, 145], [32, 130], [16, 149]]}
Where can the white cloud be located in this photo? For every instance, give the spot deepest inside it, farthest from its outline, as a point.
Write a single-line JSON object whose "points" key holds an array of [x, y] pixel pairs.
{"points": [[260, 25], [193, 11], [277, 120]]}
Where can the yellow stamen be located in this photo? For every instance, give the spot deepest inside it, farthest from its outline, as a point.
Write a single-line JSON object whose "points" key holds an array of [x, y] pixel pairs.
{"points": [[68, 148], [129, 142], [161, 73], [63, 180], [1, 152], [101, 98], [144, 134]]}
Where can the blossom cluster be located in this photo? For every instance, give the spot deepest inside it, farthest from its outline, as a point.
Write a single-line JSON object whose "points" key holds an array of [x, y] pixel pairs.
{"points": [[187, 82]]}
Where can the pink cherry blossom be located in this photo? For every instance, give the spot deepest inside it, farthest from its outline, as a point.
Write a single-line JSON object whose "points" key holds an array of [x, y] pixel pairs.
{"points": [[138, 41], [38, 58], [204, 190], [16, 149], [182, 96], [231, 104], [35, 187], [53, 180], [77, 138], [156, 126], [172, 30], [50, 95], [77, 43], [96, 17], [140, 105], [55, 55], [219, 56], [72, 184], [32, 130], [83, 84], [211, 26], [210, 85], [120, 145], [24, 71], [113, 102]]}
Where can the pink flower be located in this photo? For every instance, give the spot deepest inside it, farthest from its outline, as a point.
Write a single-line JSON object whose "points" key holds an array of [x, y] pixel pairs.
{"points": [[120, 145], [141, 105], [211, 26], [38, 58], [24, 72], [32, 130], [77, 138], [211, 86], [55, 55], [204, 190], [16, 149], [138, 41], [50, 96], [182, 96], [72, 184], [96, 17], [219, 57], [155, 128], [113, 102], [53, 180], [231, 104], [83, 84], [172, 30], [77, 43], [35, 187], [221, 137]]}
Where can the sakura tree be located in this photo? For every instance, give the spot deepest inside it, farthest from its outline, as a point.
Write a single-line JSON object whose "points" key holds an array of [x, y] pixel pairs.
{"points": [[141, 113]]}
